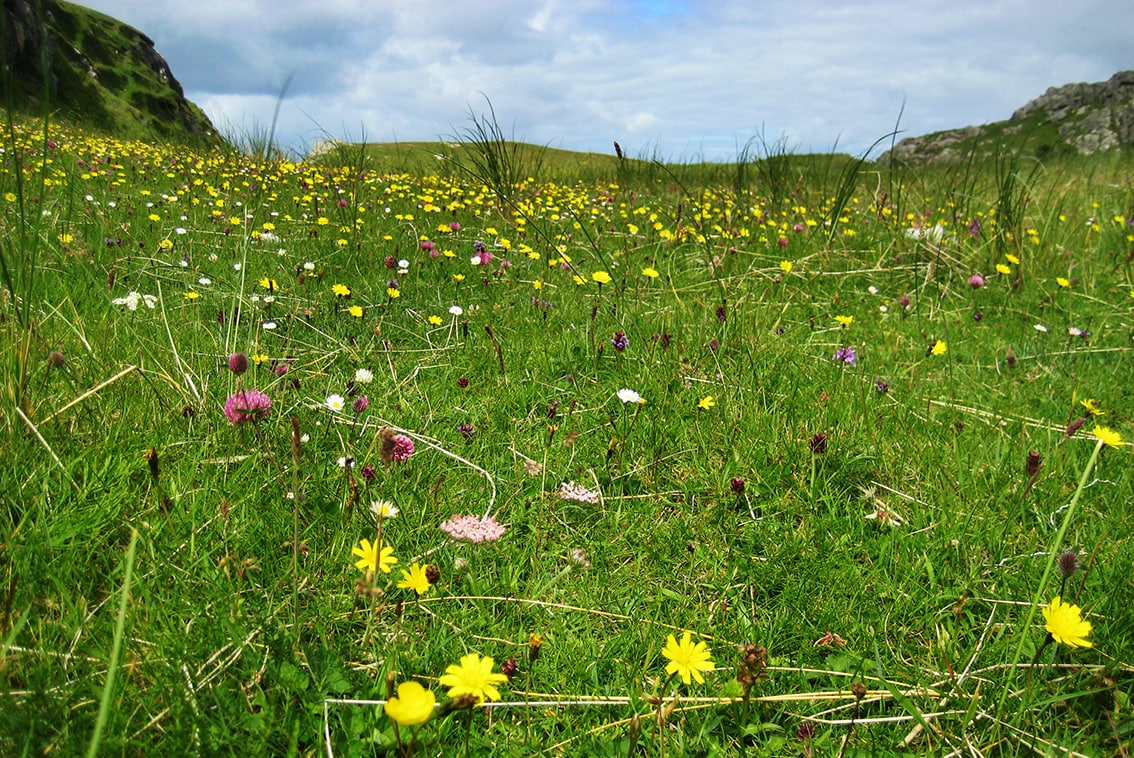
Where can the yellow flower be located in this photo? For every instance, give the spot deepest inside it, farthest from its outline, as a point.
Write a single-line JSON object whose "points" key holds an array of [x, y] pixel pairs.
{"points": [[258, 358], [269, 284], [393, 292], [373, 558], [1091, 408], [786, 266], [845, 321], [1065, 624], [1063, 281], [415, 579], [458, 278], [1107, 436], [10, 197], [192, 295], [435, 320], [601, 277], [413, 704], [652, 273], [537, 284], [939, 347], [341, 290], [66, 239], [1012, 259], [578, 279], [1003, 269], [473, 677], [706, 402], [355, 310], [687, 659]]}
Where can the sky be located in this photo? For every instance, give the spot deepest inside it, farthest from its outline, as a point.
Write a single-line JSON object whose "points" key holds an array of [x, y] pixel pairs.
{"points": [[683, 80]]}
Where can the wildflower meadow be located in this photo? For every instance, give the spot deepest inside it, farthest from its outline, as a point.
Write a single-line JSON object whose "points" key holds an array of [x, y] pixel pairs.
{"points": [[803, 455]]}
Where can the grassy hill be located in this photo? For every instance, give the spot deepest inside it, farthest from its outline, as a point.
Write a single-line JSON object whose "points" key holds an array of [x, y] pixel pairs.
{"points": [[88, 69]]}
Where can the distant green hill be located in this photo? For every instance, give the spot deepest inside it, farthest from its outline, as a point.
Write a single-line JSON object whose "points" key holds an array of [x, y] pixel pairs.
{"points": [[95, 72]]}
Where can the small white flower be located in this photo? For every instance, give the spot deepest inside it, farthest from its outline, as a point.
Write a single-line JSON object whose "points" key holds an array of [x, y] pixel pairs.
{"points": [[629, 396], [183, 263], [150, 301], [872, 290], [305, 438], [403, 263], [363, 376], [383, 509], [456, 310], [179, 230], [268, 325], [269, 298], [205, 281], [475, 260], [308, 266], [335, 402], [344, 462], [1041, 328]]}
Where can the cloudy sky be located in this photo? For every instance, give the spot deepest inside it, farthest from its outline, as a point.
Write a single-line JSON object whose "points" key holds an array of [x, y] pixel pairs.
{"points": [[684, 79]]}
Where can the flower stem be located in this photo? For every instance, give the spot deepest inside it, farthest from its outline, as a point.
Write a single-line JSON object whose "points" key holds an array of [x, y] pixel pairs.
{"points": [[1053, 553]]}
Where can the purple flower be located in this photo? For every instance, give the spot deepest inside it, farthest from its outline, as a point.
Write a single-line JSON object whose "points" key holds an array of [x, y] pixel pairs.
{"points": [[818, 443], [620, 341], [467, 430], [881, 385], [846, 355], [238, 363], [473, 528], [403, 448], [736, 485], [360, 404], [247, 405], [976, 281]]}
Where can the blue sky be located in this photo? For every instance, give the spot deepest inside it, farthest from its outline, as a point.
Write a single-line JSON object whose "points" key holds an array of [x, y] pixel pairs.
{"points": [[684, 79]]}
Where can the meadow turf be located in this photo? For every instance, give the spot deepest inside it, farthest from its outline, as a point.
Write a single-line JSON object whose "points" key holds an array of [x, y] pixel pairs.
{"points": [[876, 404]]}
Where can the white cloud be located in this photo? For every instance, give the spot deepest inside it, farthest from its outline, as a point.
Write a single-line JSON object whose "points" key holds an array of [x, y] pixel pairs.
{"points": [[681, 77]]}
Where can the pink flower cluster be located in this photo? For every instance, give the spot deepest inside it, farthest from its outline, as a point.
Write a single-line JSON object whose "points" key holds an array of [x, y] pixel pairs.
{"points": [[247, 405], [474, 528], [578, 493]]}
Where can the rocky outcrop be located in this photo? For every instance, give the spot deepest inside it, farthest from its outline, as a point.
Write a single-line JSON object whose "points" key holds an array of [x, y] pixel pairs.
{"points": [[94, 71], [1075, 118]]}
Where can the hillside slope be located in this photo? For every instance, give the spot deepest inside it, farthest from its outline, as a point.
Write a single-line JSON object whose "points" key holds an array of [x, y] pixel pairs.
{"points": [[97, 72], [1072, 119]]}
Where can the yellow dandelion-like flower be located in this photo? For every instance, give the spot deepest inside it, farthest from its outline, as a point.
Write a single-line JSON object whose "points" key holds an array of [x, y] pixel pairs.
{"points": [[415, 579], [356, 311], [413, 705], [1063, 281], [1003, 269], [373, 557], [844, 321], [707, 402], [939, 348], [1091, 408], [786, 266], [1065, 624], [601, 277], [473, 676], [652, 273], [435, 320], [1107, 436], [340, 290], [687, 659]]}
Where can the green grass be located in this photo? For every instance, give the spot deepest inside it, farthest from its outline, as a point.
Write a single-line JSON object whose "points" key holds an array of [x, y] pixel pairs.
{"points": [[203, 598]]}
